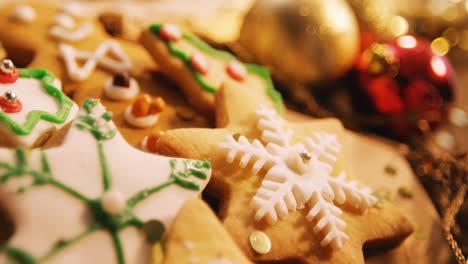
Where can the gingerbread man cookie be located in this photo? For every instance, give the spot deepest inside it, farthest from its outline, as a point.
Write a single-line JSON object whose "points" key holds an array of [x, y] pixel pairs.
{"points": [[282, 187], [32, 106], [94, 199], [207, 243], [199, 69]]}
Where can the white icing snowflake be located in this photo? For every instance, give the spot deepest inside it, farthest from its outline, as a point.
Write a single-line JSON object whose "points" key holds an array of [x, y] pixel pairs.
{"points": [[297, 175]]}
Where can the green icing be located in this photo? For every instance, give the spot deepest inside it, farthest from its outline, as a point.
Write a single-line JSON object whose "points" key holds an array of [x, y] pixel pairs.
{"points": [[95, 124], [180, 175], [223, 55], [33, 117]]}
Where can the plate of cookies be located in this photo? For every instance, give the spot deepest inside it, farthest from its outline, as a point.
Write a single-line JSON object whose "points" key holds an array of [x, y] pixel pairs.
{"points": [[157, 147]]}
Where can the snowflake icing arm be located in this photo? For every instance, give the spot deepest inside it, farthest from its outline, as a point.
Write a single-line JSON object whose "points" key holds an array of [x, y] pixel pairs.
{"points": [[350, 193], [325, 147], [328, 221], [272, 127], [275, 198], [248, 152]]}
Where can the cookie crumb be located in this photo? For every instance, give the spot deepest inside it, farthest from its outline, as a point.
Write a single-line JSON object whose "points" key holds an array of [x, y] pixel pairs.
{"points": [[405, 192], [390, 170]]}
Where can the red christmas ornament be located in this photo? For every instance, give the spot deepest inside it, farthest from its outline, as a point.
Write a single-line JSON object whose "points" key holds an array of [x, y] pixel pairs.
{"points": [[405, 84]]}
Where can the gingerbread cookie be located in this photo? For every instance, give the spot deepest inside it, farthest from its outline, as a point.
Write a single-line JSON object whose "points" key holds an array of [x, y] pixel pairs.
{"points": [[88, 70], [32, 105], [285, 184], [93, 199], [199, 69], [207, 243]]}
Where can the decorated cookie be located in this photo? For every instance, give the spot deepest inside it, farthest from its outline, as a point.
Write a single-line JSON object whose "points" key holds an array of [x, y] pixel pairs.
{"points": [[93, 199], [282, 188], [199, 69], [93, 65], [32, 106], [208, 243]]}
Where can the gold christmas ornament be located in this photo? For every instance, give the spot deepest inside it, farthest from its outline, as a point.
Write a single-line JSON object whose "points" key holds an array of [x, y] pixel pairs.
{"points": [[379, 17], [307, 40]]}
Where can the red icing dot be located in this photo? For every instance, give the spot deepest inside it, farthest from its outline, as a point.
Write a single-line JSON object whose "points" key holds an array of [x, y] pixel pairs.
{"points": [[199, 63], [9, 77], [170, 32], [236, 70], [9, 107]]}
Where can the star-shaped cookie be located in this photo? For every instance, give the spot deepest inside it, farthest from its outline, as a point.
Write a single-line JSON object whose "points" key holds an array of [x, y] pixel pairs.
{"points": [[197, 236], [298, 164], [93, 199]]}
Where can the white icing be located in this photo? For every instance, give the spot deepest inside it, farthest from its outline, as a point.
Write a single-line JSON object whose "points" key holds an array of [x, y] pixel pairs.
{"points": [[24, 13], [45, 214], [113, 202], [64, 20], [82, 32], [140, 122], [118, 63], [199, 62], [72, 8], [33, 97], [171, 32], [292, 181], [121, 93], [144, 144]]}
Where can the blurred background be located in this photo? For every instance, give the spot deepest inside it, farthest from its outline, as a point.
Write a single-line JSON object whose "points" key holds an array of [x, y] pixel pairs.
{"points": [[393, 68]]}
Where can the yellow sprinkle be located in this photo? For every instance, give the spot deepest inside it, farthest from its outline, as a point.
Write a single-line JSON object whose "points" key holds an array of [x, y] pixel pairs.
{"points": [[260, 242]]}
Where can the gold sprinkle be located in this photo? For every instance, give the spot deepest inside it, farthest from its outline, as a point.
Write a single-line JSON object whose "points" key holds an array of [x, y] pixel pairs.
{"points": [[260, 242], [185, 113], [405, 192]]}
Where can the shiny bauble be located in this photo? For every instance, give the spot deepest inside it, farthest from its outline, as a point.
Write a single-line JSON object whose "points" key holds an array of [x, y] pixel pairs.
{"points": [[405, 85], [306, 40]]}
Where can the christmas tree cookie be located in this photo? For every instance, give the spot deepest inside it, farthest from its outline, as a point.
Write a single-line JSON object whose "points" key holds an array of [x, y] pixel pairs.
{"points": [[32, 106], [199, 69], [93, 199], [282, 187], [207, 243]]}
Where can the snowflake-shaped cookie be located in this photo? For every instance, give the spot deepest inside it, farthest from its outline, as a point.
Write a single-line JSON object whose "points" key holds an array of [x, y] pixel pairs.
{"points": [[297, 174], [233, 188], [90, 199]]}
